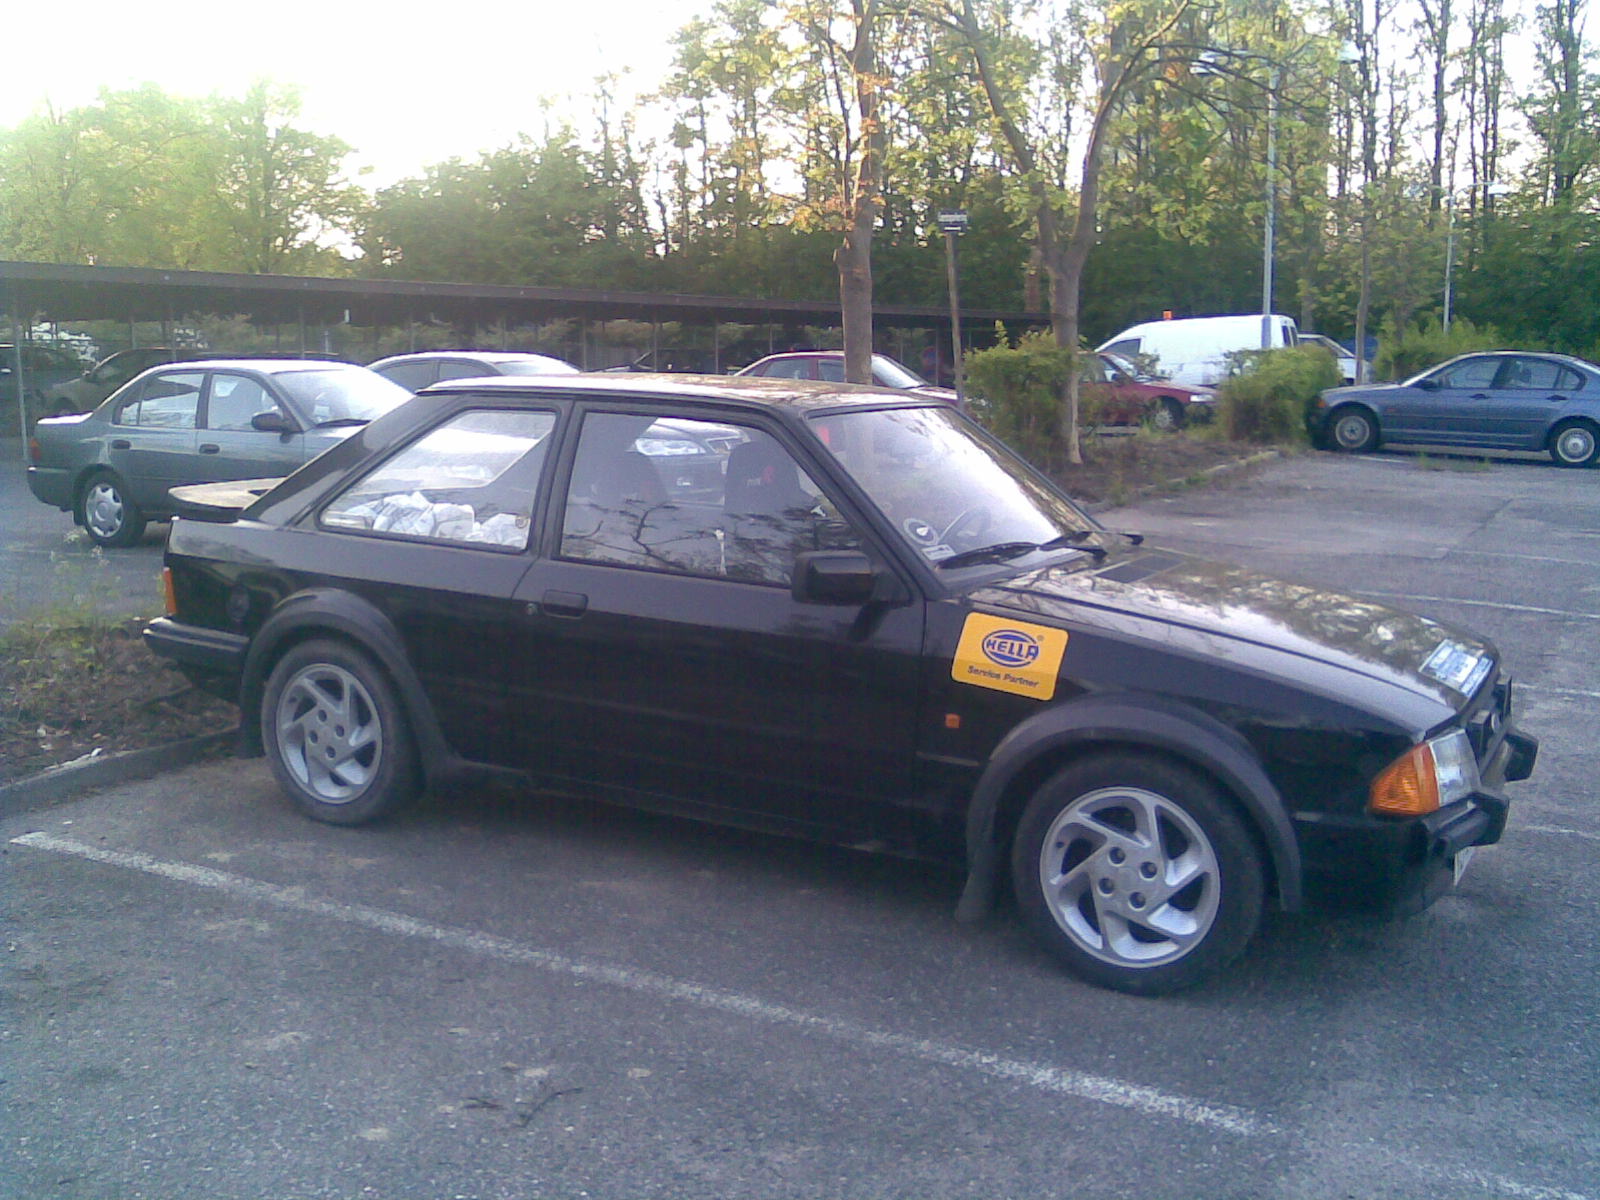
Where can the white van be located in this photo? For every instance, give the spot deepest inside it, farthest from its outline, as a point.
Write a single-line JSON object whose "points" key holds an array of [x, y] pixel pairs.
{"points": [[1193, 350]]}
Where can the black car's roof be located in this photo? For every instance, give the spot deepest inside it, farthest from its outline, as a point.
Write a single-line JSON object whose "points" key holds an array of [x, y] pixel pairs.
{"points": [[653, 388]]}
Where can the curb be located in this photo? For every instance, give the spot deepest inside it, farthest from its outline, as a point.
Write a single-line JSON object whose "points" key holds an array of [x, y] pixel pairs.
{"points": [[1178, 485], [68, 780]]}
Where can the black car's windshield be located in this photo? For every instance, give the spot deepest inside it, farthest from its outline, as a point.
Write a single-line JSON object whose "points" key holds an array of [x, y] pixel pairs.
{"points": [[342, 395], [953, 496]]}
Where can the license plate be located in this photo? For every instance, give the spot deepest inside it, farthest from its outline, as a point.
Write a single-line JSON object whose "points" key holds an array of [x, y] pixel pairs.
{"points": [[1463, 857]]}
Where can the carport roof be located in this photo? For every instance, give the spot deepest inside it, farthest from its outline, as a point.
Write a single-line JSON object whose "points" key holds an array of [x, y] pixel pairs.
{"points": [[81, 293]]}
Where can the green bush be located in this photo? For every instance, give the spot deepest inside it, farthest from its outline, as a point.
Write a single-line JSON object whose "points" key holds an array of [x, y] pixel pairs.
{"points": [[1016, 388], [1268, 402], [1405, 351]]}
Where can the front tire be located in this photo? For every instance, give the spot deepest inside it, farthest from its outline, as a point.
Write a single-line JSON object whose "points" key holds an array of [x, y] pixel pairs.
{"points": [[106, 513], [1353, 430], [336, 736], [1166, 415], [1573, 444], [1136, 873]]}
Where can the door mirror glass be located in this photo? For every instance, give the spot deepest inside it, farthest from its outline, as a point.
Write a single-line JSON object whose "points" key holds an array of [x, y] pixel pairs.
{"points": [[271, 422]]}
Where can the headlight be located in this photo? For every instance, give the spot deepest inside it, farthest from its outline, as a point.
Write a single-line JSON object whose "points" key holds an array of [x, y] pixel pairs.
{"points": [[1426, 777]]}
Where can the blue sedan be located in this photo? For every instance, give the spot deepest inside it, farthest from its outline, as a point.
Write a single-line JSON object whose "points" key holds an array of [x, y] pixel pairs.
{"points": [[1501, 400]]}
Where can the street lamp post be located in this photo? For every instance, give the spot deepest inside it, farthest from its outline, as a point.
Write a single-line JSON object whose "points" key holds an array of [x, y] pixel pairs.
{"points": [[1273, 83], [953, 222]]}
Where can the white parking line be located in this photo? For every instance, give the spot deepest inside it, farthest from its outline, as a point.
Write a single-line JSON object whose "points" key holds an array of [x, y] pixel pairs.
{"points": [[1557, 829], [1040, 1076], [1526, 608]]}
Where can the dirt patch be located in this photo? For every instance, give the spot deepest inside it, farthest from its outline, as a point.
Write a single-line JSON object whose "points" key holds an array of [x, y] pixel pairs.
{"points": [[72, 687], [1118, 467]]}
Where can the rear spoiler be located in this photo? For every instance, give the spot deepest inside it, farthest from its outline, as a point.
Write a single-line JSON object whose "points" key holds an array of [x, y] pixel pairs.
{"points": [[219, 502]]}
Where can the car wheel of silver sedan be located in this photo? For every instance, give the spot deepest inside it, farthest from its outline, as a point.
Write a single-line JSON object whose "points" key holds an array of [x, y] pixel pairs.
{"points": [[336, 736], [1137, 873], [106, 513], [1574, 444]]}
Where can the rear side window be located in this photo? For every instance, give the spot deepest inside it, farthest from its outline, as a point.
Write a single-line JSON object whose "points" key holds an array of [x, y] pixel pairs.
{"points": [[471, 480], [1540, 374], [169, 401], [413, 376]]}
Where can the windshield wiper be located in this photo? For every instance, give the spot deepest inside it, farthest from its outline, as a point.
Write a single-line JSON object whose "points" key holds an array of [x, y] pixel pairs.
{"points": [[335, 421], [1005, 551], [999, 552]]}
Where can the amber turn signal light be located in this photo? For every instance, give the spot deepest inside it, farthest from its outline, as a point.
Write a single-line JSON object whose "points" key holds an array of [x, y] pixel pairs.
{"points": [[167, 593], [1408, 787]]}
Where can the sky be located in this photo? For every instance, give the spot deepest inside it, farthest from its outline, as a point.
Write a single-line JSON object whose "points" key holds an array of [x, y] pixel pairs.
{"points": [[406, 85]]}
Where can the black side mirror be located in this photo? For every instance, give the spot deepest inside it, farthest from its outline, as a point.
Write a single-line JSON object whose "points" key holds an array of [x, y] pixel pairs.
{"points": [[834, 577], [272, 421], [1429, 384]]}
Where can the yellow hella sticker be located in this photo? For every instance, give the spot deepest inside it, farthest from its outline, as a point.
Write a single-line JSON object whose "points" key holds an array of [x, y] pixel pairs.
{"points": [[1009, 656]]}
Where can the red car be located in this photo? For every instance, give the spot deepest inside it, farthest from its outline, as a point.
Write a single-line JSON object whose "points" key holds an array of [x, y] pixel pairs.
{"points": [[1115, 392]]}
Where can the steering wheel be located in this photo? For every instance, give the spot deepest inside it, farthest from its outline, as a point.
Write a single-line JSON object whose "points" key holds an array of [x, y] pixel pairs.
{"points": [[977, 516]]}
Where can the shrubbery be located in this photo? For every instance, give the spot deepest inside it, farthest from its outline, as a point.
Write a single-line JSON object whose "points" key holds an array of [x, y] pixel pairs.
{"points": [[1268, 402], [1403, 352], [1016, 389]]}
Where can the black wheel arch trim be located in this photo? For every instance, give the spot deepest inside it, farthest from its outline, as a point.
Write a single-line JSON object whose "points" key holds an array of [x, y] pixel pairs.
{"points": [[333, 612], [1136, 720]]}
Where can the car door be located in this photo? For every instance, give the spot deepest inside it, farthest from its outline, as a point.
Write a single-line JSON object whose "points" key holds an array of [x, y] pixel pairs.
{"points": [[663, 652], [1529, 395], [1447, 406], [230, 446], [151, 439]]}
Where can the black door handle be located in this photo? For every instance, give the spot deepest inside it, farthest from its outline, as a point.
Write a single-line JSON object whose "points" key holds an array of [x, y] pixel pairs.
{"points": [[563, 604], [210, 448], [121, 444]]}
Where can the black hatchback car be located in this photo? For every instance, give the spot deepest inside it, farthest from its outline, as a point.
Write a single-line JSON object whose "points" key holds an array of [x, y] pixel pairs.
{"points": [[882, 628]]}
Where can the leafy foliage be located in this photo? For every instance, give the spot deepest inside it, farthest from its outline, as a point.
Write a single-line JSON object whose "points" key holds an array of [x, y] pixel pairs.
{"points": [[1268, 402], [1425, 343], [1016, 386]]}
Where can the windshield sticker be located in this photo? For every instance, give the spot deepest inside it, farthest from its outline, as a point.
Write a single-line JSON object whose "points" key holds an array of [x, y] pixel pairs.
{"points": [[1456, 666], [1009, 656]]}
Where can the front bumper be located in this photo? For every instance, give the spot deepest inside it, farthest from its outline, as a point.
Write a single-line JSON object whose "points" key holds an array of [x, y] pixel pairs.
{"points": [[1403, 866]]}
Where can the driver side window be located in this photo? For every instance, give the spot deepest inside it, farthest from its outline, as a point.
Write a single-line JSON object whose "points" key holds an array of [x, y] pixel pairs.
{"points": [[693, 497]]}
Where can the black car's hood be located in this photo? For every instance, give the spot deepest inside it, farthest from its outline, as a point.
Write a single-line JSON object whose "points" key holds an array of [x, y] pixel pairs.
{"points": [[1219, 601]]}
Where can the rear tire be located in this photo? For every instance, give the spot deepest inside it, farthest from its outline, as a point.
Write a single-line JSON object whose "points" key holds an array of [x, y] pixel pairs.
{"points": [[1137, 873], [106, 513], [336, 736], [1574, 444]]}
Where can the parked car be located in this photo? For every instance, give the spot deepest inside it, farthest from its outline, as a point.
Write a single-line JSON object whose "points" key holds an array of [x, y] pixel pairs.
{"points": [[196, 422], [883, 630], [1195, 350], [828, 365], [84, 390], [1499, 400], [1119, 394], [416, 371], [43, 369], [1344, 357]]}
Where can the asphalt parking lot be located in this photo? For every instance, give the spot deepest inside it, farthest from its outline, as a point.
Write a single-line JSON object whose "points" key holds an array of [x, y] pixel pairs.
{"points": [[503, 995]]}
